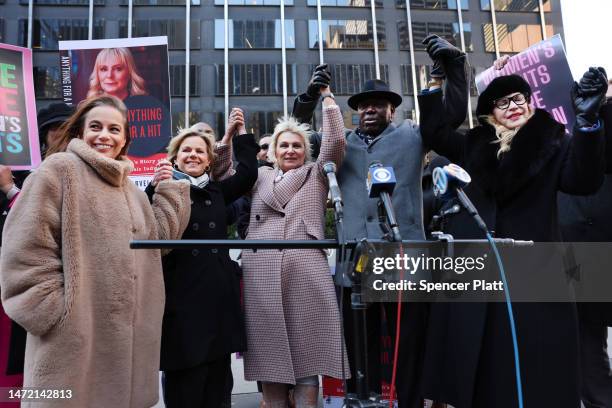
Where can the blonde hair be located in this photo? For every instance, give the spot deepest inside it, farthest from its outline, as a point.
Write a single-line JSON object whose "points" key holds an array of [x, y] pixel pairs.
{"points": [[290, 124], [177, 141], [503, 134], [136, 86]]}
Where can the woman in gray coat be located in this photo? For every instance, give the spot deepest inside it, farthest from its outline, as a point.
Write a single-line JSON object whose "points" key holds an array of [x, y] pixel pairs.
{"points": [[292, 317]]}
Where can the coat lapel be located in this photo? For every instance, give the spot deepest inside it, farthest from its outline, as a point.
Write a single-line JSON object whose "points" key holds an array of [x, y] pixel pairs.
{"points": [[291, 182], [265, 187]]}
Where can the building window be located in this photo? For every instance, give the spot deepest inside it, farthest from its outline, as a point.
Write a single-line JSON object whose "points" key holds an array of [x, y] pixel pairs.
{"points": [[345, 3], [257, 122], [346, 34], [347, 79], [254, 2], [515, 5], [46, 33], [160, 2], [514, 37], [420, 30], [47, 83], [177, 80], [64, 2], [178, 118], [254, 34], [422, 77], [174, 29], [433, 4], [255, 79]]}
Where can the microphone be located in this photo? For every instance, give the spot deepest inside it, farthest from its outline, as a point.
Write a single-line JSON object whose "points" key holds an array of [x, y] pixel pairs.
{"points": [[450, 180], [380, 183], [329, 169], [380, 179]]}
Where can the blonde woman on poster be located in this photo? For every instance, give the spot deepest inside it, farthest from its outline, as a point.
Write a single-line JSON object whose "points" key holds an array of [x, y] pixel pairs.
{"points": [[115, 74]]}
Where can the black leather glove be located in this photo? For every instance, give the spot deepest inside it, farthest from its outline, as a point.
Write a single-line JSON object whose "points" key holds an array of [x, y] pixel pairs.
{"points": [[441, 52], [320, 78], [588, 96]]}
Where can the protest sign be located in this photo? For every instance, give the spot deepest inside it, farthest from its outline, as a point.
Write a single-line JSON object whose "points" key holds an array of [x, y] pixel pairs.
{"points": [[19, 147], [134, 70], [544, 66]]}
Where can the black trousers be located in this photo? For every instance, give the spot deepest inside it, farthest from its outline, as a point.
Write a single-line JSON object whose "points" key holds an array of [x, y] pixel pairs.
{"points": [[595, 364], [202, 386]]}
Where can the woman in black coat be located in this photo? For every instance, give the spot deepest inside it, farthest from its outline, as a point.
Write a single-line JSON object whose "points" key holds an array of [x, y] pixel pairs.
{"points": [[203, 321], [519, 158]]}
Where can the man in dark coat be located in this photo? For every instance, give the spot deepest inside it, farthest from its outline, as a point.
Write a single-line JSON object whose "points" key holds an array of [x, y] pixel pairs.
{"points": [[400, 147], [469, 360], [587, 219]]}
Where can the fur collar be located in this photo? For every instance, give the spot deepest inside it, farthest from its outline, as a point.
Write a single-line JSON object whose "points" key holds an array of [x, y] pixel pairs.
{"points": [[535, 144], [114, 171]]}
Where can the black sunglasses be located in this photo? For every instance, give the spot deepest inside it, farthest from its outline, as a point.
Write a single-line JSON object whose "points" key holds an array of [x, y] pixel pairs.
{"points": [[264, 146]]}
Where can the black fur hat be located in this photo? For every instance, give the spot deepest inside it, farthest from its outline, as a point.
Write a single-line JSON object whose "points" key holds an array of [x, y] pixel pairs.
{"points": [[500, 87]]}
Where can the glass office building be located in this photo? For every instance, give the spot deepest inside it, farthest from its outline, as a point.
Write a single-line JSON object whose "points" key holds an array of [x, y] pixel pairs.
{"points": [[258, 54]]}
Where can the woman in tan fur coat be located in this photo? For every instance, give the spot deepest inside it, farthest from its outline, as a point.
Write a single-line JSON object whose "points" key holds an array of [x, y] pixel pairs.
{"points": [[92, 307]]}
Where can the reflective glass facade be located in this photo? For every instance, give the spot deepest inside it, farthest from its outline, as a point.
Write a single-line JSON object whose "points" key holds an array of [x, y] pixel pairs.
{"points": [[262, 70]]}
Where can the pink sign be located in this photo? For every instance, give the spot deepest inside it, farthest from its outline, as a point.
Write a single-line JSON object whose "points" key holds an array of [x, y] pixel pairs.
{"points": [[19, 147]]}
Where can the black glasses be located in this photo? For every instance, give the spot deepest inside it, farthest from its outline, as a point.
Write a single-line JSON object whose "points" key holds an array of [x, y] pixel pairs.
{"points": [[264, 146], [504, 103]]}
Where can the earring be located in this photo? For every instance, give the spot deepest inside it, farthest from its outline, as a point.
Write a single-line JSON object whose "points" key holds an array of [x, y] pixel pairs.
{"points": [[207, 169]]}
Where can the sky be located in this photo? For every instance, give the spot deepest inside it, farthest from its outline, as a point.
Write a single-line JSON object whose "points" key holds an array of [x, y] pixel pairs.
{"points": [[588, 34]]}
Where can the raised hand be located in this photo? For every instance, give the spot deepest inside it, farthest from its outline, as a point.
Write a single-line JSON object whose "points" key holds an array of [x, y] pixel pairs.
{"points": [[321, 78], [163, 171], [588, 96]]}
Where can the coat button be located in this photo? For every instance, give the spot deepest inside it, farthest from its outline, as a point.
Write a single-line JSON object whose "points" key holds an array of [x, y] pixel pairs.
{"points": [[590, 221], [195, 252], [207, 203], [257, 217], [283, 215], [214, 250], [195, 226], [212, 225]]}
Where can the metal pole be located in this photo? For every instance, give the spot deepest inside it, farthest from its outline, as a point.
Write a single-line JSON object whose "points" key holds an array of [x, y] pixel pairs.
{"points": [[494, 21], [187, 57], [30, 21], [375, 35], [462, 36], [542, 19], [283, 56], [226, 60], [320, 28], [413, 62], [90, 28], [130, 17]]}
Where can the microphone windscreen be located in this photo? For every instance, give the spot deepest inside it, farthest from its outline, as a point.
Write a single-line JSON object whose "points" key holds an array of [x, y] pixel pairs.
{"points": [[438, 161]]}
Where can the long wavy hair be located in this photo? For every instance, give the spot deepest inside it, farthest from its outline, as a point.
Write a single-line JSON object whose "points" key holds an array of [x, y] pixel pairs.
{"points": [[74, 127], [136, 84]]}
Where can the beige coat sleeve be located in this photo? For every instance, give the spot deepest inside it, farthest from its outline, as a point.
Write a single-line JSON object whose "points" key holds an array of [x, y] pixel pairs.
{"points": [[31, 271], [172, 208]]}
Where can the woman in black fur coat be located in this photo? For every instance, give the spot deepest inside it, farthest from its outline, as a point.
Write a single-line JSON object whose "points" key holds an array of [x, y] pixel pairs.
{"points": [[519, 158]]}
